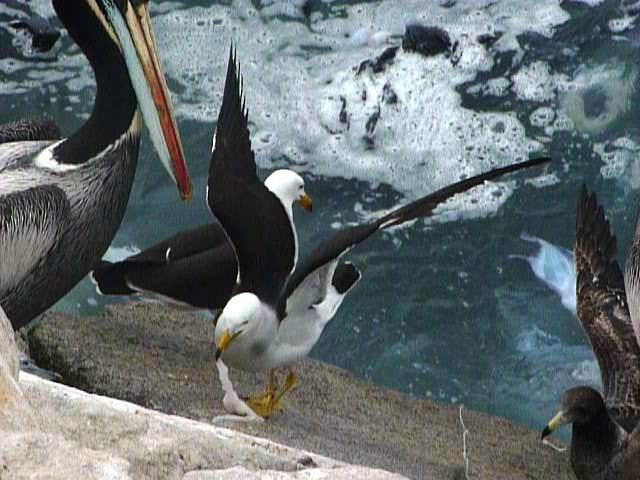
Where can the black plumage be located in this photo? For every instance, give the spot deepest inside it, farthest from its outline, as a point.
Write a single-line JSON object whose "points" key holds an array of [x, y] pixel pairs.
{"points": [[196, 267], [342, 241], [253, 217]]}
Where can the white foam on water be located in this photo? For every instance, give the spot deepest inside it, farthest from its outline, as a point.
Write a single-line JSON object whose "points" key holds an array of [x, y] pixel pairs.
{"points": [[619, 25], [620, 159], [534, 82], [541, 117], [554, 266], [296, 76]]}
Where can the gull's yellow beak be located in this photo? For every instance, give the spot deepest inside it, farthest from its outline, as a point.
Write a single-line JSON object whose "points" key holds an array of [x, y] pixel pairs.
{"points": [[305, 202], [223, 342], [554, 423]]}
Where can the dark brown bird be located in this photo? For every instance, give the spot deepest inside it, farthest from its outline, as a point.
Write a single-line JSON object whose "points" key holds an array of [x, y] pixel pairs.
{"points": [[605, 441]]}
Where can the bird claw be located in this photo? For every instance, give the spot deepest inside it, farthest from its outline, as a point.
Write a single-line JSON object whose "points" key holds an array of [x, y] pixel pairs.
{"points": [[263, 405], [267, 403]]}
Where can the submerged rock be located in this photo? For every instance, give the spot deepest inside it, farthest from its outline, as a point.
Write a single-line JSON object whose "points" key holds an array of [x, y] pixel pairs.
{"points": [[164, 359]]}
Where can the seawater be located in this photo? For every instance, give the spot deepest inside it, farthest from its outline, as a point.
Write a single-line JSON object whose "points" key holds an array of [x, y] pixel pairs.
{"points": [[461, 308]]}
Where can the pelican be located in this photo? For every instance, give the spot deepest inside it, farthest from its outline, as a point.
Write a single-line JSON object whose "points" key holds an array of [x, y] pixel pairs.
{"points": [[62, 200]]}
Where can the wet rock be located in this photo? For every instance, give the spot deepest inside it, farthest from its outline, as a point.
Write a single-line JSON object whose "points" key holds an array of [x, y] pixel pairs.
{"points": [[381, 62], [389, 96], [43, 35], [164, 359], [343, 117], [488, 39], [24, 33], [426, 40]]}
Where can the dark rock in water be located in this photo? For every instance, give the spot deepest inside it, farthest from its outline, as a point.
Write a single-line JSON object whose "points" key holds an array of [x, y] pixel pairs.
{"points": [[389, 96], [488, 39], [380, 63], [429, 41], [426, 40], [24, 33], [342, 116], [371, 124], [373, 121], [43, 35], [164, 359]]}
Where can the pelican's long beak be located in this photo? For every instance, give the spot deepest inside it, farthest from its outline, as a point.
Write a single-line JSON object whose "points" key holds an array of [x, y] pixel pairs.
{"points": [[223, 342], [555, 422], [305, 202], [139, 49]]}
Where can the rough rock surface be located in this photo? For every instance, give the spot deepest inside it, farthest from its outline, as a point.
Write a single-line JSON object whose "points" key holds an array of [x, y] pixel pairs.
{"points": [[14, 411], [343, 473], [163, 359], [89, 436]]}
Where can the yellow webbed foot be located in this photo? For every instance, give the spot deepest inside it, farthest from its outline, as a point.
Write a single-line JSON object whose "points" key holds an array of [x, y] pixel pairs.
{"points": [[289, 383], [261, 404], [268, 403]]}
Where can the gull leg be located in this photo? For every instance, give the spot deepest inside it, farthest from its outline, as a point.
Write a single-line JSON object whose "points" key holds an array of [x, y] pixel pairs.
{"points": [[261, 404], [289, 383], [231, 402]]}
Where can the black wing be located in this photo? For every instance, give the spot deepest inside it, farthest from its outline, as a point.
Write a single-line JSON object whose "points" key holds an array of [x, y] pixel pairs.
{"points": [[603, 312], [196, 267], [29, 130], [182, 245], [253, 217], [345, 239]]}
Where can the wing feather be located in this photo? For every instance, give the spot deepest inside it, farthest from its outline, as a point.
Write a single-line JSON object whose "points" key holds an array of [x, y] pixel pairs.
{"points": [[31, 222], [342, 241], [253, 217], [603, 311], [29, 130]]}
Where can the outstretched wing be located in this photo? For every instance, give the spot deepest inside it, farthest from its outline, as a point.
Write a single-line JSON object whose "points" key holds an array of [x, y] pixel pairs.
{"points": [[254, 218], [342, 241], [196, 267], [603, 311]]}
